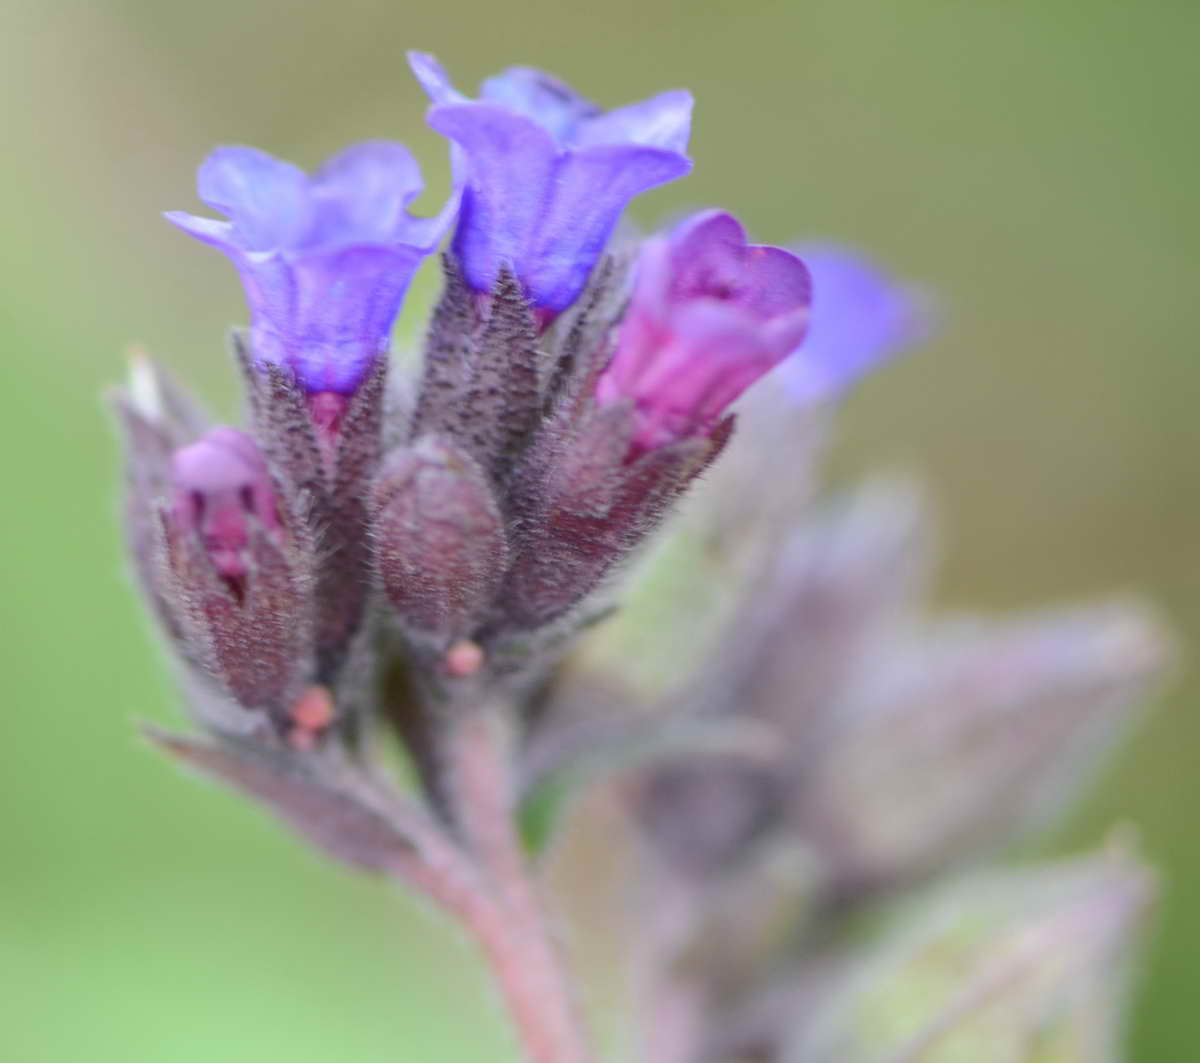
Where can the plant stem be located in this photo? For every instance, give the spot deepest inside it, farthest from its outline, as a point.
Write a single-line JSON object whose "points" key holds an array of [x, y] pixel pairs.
{"points": [[509, 919]]}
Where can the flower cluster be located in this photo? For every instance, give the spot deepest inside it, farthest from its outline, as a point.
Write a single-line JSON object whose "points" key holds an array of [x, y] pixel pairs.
{"points": [[536, 458], [367, 553]]}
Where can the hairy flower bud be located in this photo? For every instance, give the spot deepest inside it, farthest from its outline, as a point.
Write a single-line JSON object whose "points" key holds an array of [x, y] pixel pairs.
{"points": [[588, 508], [324, 451], [232, 580], [440, 544], [482, 370], [221, 485]]}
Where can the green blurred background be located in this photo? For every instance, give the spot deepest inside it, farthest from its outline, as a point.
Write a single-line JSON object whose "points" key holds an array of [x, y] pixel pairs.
{"points": [[1034, 162]]}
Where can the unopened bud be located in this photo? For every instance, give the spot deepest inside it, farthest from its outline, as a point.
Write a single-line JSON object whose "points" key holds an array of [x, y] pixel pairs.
{"points": [[233, 581], [440, 541], [585, 508], [220, 482]]}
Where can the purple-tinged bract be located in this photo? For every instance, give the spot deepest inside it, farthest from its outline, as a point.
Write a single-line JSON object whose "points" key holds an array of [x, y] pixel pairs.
{"points": [[861, 316], [547, 174], [710, 314], [325, 260]]}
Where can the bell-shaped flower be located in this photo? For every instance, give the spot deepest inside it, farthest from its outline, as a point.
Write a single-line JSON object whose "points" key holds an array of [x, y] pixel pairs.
{"points": [[547, 174], [861, 316], [325, 260], [710, 314]]}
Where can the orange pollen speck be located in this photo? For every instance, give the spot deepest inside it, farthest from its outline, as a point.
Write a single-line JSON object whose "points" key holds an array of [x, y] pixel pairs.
{"points": [[313, 710], [463, 659]]}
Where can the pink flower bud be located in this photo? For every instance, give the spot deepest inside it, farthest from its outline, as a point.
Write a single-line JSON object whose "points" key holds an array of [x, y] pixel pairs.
{"points": [[237, 585], [710, 315], [219, 481]]}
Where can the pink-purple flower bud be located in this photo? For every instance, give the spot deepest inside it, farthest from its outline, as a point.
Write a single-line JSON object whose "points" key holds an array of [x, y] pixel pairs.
{"points": [[710, 314], [219, 482], [237, 579], [441, 547]]}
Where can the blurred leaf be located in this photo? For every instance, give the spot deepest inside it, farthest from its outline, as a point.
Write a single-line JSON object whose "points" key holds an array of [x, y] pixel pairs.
{"points": [[342, 826], [959, 738], [1025, 967]]}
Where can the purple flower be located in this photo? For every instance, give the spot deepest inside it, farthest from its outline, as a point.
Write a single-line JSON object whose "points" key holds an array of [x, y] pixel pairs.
{"points": [[547, 174], [219, 483], [860, 317], [326, 259], [710, 314]]}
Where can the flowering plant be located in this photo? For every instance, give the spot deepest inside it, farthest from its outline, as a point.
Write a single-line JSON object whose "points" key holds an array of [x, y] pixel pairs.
{"points": [[353, 564]]}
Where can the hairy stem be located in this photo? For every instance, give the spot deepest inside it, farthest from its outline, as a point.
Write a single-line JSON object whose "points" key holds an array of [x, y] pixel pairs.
{"points": [[509, 919]]}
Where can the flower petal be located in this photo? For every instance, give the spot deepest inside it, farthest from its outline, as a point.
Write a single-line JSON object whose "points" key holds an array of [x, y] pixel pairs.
{"points": [[424, 234], [590, 190], [361, 193], [325, 261], [663, 121], [266, 199], [547, 175], [723, 352], [711, 257], [218, 233], [553, 104], [713, 353], [710, 314], [432, 77], [339, 312], [860, 317], [511, 165]]}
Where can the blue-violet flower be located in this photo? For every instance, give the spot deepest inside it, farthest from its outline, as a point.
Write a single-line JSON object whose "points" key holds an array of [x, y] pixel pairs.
{"points": [[861, 316], [547, 173], [325, 260]]}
